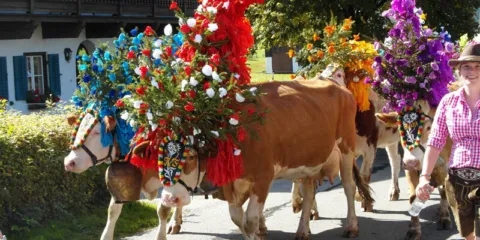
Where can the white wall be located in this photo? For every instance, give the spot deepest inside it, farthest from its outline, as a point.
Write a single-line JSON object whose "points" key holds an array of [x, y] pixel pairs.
{"points": [[10, 48]]}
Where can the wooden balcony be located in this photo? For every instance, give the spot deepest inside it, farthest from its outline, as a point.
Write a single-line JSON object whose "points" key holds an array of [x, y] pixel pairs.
{"points": [[72, 16]]}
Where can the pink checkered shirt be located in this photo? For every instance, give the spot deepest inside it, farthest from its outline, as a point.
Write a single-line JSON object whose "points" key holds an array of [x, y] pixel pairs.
{"points": [[454, 118]]}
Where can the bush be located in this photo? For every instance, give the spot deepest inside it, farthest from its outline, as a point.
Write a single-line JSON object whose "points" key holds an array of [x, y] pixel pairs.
{"points": [[33, 183]]}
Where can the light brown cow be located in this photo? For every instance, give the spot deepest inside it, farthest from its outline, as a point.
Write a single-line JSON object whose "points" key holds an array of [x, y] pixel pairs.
{"points": [[413, 164], [79, 160], [305, 120]]}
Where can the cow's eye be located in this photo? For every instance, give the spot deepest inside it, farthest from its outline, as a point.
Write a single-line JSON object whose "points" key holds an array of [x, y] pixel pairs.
{"points": [[95, 133]]}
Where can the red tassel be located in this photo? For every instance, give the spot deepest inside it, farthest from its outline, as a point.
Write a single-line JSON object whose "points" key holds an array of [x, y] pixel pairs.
{"points": [[150, 156], [225, 167]]}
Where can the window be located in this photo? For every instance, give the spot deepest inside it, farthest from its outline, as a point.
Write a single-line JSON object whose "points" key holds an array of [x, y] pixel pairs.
{"points": [[36, 72]]}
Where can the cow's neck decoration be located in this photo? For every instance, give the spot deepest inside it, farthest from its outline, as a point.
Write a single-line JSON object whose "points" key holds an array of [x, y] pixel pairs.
{"points": [[171, 158], [84, 128], [410, 124]]}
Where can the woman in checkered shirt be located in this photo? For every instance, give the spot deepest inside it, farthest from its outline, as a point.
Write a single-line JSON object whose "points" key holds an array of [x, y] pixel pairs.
{"points": [[458, 117]]}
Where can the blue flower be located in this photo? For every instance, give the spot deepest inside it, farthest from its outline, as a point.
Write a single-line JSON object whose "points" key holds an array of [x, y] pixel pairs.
{"points": [[100, 68], [107, 56], [93, 91], [79, 104], [112, 93], [112, 77], [96, 53], [110, 67], [121, 37], [178, 39], [140, 36], [157, 62], [125, 66], [75, 99], [83, 67], [86, 78], [95, 68], [136, 41], [77, 57], [117, 43], [85, 58], [129, 79], [134, 32]]}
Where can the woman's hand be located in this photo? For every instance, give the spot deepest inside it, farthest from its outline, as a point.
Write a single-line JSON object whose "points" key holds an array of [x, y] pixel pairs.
{"points": [[424, 189]]}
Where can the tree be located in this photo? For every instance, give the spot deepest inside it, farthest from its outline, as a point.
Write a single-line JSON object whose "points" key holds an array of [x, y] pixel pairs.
{"points": [[293, 22]]}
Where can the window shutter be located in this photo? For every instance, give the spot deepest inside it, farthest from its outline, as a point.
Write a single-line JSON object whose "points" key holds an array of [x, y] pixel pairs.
{"points": [[20, 77], [54, 74], [3, 78]]}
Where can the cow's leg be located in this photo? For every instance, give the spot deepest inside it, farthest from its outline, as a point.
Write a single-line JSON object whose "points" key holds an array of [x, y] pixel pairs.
{"points": [[114, 211], [349, 187], [296, 196], [445, 222], [308, 193], [255, 209], [366, 172], [314, 215], [414, 229], [163, 213], [395, 161], [262, 227], [176, 221], [236, 194]]}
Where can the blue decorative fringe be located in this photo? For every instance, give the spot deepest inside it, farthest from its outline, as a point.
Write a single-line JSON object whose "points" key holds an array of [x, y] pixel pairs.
{"points": [[124, 133], [107, 137]]}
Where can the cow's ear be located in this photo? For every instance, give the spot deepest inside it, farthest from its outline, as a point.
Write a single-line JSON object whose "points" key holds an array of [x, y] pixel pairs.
{"points": [[72, 119], [110, 123], [140, 149], [390, 119]]}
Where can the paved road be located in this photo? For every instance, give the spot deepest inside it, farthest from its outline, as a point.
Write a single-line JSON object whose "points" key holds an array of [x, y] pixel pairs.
{"points": [[209, 219]]}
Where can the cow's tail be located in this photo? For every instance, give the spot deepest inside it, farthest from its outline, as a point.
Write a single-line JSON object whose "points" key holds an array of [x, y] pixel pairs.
{"points": [[364, 189]]}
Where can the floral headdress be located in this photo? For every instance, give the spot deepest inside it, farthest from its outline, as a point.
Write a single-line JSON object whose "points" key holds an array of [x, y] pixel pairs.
{"points": [[339, 47], [413, 61]]}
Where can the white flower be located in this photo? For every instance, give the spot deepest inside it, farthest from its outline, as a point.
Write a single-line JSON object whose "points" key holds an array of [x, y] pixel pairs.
{"points": [[149, 116], [184, 83], [212, 10], [237, 152], [200, 8], [196, 131], [127, 96], [207, 70], [198, 38], [191, 22], [212, 27], [226, 4], [132, 123], [237, 76], [204, 2], [216, 77], [169, 104], [137, 71], [253, 90], [201, 144], [124, 115], [177, 119], [356, 79], [154, 126], [191, 139], [193, 81], [239, 97], [222, 92], [158, 43], [168, 30], [210, 92], [181, 22], [154, 83], [156, 53], [137, 103], [215, 133], [233, 121]]}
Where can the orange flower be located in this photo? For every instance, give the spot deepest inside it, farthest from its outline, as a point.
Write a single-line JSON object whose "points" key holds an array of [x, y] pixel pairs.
{"points": [[329, 29], [292, 76], [347, 21], [320, 54], [331, 49], [309, 46], [356, 37], [343, 40], [315, 37], [346, 27], [291, 53], [347, 24]]}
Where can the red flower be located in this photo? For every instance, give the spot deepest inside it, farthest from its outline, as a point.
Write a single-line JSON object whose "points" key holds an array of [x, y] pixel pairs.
{"points": [[146, 52], [215, 59], [144, 105], [120, 103], [140, 91], [130, 55], [183, 95], [144, 71], [168, 51], [241, 134], [251, 111], [206, 85], [142, 111], [189, 107], [192, 93], [185, 28], [173, 6], [188, 70], [149, 31], [162, 122]]}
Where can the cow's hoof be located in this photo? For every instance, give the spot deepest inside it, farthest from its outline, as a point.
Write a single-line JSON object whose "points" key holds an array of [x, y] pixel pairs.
{"points": [[413, 234], [358, 197], [262, 231], [174, 229], [350, 233], [367, 206], [297, 208], [394, 195], [301, 236], [314, 216], [444, 224]]}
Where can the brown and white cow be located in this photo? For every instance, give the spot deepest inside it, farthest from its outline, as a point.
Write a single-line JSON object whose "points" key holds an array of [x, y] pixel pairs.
{"points": [[320, 116], [79, 160], [413, 161]]}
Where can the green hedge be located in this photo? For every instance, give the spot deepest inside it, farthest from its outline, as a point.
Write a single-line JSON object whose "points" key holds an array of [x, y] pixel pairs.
{"points": [[34, 186]]}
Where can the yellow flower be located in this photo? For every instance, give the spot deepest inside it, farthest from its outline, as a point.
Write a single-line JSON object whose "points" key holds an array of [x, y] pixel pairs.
{"points": [[315, 37], [291, 53], [348, 21], [356, 37], [423, 16], [309, 46], [329, 30], [347, 24], [309, 58]]}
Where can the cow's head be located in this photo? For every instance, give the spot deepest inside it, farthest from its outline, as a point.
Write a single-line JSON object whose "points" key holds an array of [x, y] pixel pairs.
{"points": [[334, 73], [87, 148], [178, 194], [412, 158]]}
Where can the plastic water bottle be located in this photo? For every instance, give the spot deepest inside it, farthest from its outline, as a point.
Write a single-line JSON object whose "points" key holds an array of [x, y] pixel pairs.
{"points": [[418, 205]]}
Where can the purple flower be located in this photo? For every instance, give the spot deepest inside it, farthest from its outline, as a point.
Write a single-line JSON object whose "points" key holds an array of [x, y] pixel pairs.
{"points": [[423, 85], [420, 70], [388, 57], [402, 62], [394, 33], [410, 79], [414, 95], [434, 66], [432, 75], [376, 46], [449, 47], [378, 59], [421, 47]]}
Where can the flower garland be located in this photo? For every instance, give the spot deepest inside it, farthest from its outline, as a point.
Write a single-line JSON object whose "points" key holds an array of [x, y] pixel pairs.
{"points": [[410, 123], [413, 61], [341, 48], [75, 146], [171, 161]]}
